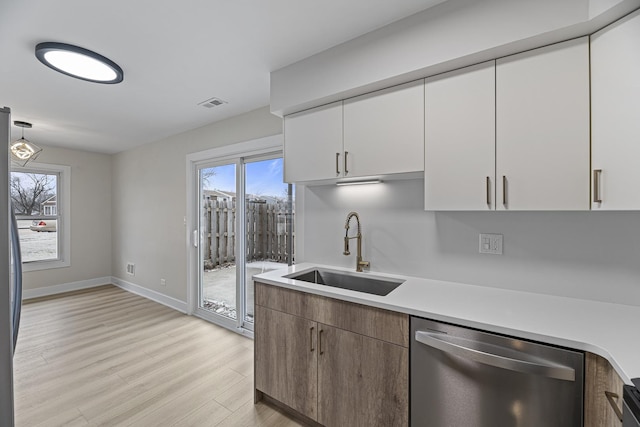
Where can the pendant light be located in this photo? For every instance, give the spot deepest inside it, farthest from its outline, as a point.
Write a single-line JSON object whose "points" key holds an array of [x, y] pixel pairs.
{"points": [[22, 150], [79, 62]]}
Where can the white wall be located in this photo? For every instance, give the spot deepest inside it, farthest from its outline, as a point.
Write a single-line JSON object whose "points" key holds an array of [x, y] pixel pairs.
{"points": [[591, 255], [451, 35], [90, 220], [150, 202]]}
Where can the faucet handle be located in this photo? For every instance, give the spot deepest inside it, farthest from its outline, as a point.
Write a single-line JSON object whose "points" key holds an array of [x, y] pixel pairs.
{"points": [[363, 264]]}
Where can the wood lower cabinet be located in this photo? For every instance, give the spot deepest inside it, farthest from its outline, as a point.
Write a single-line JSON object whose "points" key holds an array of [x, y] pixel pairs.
{"points": [[333, 362], [361, 381], [287, 364], [603, 393]]}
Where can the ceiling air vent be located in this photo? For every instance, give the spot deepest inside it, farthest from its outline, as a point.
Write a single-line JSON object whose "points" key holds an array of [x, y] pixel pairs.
{"points": [[212, 102]]}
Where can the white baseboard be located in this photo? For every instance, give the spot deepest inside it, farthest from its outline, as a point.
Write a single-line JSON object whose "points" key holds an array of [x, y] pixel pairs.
{"points": [[65, 287], [171, 302]]}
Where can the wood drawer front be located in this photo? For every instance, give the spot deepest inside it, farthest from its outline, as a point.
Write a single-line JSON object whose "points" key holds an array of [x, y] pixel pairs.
{"points": [[600, 377], [373, 322], [288, 301]]}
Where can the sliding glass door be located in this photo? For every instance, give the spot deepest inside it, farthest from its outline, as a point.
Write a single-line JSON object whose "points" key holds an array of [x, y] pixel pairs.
{"points": [[245, 227]]}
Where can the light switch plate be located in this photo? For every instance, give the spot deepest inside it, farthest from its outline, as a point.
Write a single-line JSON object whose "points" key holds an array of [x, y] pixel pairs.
{"points": [[491, 244]]}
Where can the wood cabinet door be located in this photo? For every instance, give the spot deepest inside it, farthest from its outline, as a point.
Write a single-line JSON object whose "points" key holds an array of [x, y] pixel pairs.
{"points": [[361, 381], [313, 144], [286, 359], [542, 128], [384, 131], [600, 380], [459, 171], [615, 102]]}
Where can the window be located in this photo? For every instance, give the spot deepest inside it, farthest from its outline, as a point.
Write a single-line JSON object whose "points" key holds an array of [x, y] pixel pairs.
{"points": [[40, 195]]}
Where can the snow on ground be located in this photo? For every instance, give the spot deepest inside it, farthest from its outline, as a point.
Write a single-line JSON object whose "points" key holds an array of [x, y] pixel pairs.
{"points": [[219, 287], [36, 246]]}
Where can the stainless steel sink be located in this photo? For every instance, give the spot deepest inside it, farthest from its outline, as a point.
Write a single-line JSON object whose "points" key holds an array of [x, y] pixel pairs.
{"points": [[352, 281]]}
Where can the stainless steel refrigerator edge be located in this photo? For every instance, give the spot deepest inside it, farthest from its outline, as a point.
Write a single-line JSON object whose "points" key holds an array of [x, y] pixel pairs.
{"points": [[6, 328]]}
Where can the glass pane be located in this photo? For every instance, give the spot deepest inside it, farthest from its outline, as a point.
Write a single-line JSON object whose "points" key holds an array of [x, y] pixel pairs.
{"points": [[269, 223], [34, 201], [217, 248]]}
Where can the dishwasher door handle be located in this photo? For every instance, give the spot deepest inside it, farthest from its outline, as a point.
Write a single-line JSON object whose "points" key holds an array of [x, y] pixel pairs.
{"points": [[547, 369]]}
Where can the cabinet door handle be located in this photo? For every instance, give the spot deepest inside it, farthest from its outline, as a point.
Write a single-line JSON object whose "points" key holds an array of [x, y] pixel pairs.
{"points": [[612, 398], [504, 190], [311, 339], [489, 191], [320, 341], [597, 197], [337, 163], [346, 154]]}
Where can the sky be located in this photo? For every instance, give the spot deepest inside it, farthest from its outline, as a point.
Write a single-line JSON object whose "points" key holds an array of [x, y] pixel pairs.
{"points": [[264, 178]]}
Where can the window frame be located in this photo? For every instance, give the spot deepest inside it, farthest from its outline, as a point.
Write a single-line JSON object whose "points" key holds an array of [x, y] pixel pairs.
{"points": [[63, 206]]}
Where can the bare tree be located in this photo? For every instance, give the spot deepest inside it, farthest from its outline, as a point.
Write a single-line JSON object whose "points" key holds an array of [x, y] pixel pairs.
{"points": [[207, 176], [29, 190]]}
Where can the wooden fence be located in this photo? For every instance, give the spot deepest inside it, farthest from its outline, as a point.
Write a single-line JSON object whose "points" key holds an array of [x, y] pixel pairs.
{"points": [[266, 229]]}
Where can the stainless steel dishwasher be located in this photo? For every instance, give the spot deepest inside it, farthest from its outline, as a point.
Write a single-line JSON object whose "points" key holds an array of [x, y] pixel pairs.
{"points": [[464, 377]]}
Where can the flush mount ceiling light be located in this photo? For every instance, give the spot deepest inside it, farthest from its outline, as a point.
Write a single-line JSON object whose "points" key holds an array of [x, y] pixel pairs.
{"points": [[78, 62], [22, 150]]}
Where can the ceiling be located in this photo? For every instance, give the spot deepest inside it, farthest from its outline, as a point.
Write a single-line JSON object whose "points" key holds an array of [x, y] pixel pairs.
{"points": [[175, 55]]}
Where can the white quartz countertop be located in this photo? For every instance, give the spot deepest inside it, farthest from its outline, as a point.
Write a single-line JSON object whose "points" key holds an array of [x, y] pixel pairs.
{"points": [[609, 330]]}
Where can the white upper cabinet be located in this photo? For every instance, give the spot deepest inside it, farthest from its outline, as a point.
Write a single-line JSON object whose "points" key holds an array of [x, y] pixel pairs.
{"points": [[542, 128], [460, 139], [615, 104], [313, 144], [384, 131]]}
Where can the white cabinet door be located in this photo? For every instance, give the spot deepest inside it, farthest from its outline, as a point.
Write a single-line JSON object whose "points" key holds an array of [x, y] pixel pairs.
{"points": [[460, 139], [542, 128], [384, 131], [615, 104], [313, 144]]}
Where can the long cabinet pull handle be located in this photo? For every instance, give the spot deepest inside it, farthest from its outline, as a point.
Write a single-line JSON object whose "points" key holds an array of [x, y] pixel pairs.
{"points": [[346, 154], [489, 191], [311, 338], [612, 398], [597, 197], [456, 347], [320, 341], [337, 163], [504, 190]]}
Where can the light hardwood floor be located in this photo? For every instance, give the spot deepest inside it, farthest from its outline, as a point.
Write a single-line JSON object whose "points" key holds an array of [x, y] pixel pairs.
{"points": [[108, 357]]}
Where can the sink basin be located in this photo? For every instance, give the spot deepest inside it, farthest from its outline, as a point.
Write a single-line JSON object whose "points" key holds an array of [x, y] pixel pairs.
{"points": [[352, 281]]}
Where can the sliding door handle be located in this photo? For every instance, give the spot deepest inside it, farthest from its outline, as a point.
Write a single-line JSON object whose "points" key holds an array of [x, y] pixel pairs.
{"points": [[444, 343]]}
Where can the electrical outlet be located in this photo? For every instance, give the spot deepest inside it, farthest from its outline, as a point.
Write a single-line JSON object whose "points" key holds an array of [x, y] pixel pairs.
{"points": [[163, 282], [131, 269], [491, 244]]}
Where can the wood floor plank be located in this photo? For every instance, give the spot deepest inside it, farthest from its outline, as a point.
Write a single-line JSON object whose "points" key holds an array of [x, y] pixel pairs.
{"points": [[70, 418], [108, 357], [236, 396]]}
